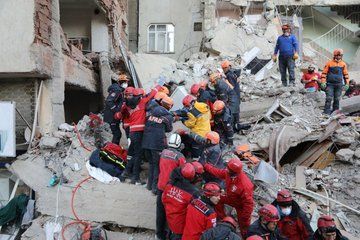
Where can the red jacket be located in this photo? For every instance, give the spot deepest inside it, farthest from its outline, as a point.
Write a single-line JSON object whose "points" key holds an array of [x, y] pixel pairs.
{"points": [[169, 160], [200, 216], [296, 226], [177, 195], [313, 83], [137, 116], [239, 190]]}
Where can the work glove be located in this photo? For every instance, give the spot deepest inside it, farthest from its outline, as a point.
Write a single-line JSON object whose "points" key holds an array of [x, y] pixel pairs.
{"points": [[346, 87], [274, 58], [161, 81], [323, 86], [296, 56], [181, 131], [314, 78]]}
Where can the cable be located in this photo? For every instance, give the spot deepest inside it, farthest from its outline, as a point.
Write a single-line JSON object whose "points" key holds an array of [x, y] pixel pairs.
{"points": [[79, 137]]}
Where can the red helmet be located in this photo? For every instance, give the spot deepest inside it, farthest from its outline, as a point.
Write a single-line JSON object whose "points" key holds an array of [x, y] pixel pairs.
{"points": [[139, 92], [285, 27], [187, 100], [188, 171], [218, 105], [284, 198], [269, 213], [195, 89], [213, 137], [203, 84], [338, 51], [235, 165], [254, 237], [199, 168], [229, 220], [225, 64], [129, 91], [212, 189], [326, 222]]}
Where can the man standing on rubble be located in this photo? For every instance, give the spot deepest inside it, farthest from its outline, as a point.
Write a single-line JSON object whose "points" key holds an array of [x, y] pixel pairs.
{"points": [[113, 103], [327, 230], [293, 222], [287, 47], [332, 81]]}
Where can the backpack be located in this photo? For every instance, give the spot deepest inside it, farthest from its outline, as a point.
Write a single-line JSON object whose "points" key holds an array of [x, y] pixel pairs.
{"points": [[114, 154]]}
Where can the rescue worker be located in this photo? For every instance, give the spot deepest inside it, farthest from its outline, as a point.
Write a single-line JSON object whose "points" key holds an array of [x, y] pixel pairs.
{"points": [[225, 229], [266, 225], [134, 109], [327, 230], [239, 192], [170, 158], [200, 214], [254, 237], [293, 221], [158, 122], [155, 101], [177, 195], [333, 76], [113, 103], [181, 114], [199, 171], [311, 79], [232, 75], [288, 49], [223, 122], [211, 152], [128, 94], [225, 92], [202, 95], [198, 122]]}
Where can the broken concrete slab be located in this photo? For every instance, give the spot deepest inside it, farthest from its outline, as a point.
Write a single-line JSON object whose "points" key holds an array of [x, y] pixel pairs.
{"points": [[350, 105], [47, 142], [345, 155], [357, 153]]}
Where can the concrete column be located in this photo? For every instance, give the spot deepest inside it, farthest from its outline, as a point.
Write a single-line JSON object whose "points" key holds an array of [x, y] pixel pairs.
{"points": [[105, 73], [209, 17]]}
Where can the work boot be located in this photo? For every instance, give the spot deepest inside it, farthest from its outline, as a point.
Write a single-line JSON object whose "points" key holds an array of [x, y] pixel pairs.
{"points": [[137, 182], [292, 84], [125, 175]]}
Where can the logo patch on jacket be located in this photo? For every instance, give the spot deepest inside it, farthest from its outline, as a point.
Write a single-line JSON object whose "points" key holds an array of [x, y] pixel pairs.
{"points": [[155, 119], [201, 206], [176, 194]]}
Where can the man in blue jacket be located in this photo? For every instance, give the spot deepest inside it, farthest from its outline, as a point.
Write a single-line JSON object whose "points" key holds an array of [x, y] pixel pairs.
{"points": [[288, 47]]}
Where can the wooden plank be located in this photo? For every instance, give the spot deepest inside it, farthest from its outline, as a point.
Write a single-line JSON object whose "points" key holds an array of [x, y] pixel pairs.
{"points": [[316, 153], [329, 130], [300, 177], [324, 160]]}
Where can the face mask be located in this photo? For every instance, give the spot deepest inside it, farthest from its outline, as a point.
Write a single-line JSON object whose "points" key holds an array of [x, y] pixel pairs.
{"points": [[286, 211], [124, 85], [287, 34]]}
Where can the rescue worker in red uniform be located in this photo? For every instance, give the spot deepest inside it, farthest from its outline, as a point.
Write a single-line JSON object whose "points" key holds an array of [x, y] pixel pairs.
{"points": [[239, 192], [327, 230], [266, 225], [225, 229], [177, 195], [170, 158], [200, 214], [293, 222]]}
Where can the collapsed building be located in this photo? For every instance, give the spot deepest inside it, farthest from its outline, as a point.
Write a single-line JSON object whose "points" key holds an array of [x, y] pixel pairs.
{"points": [[73, 48]]}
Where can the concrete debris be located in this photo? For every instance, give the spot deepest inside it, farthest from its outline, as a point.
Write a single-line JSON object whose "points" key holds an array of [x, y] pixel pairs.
{"points": [[276, 112], [345, 155], [357, 153], [47, 142]]}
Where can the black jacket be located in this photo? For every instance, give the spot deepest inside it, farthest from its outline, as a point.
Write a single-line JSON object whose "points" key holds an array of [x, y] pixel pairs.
{"points": [[232, 75], [113, 102], [226, 94], [206, 96], [339, 236], [257, 229], [222, 231], [223, 126]]}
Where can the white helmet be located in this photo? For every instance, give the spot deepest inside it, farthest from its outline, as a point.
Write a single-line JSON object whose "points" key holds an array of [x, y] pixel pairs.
{"points": [[174, 141]]}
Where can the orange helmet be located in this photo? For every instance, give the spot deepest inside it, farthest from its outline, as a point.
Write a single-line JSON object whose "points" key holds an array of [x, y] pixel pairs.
{"points": [[123, 77], [159, 95], [338, 51], [213, 137], [194, 89], [167, 102], [203, 84], [164, 90], [225, 64], [214, 77], [218, 105]]}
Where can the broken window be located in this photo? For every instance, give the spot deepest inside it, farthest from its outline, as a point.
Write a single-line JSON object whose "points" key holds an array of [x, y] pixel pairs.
{"points": [[197, 26], [161, 38]]}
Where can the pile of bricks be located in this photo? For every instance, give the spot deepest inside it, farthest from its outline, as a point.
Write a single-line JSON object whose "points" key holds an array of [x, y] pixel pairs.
{"points": [[43, 22]]}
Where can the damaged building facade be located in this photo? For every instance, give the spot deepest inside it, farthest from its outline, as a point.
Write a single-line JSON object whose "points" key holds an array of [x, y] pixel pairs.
{"points": [[50, 64]]}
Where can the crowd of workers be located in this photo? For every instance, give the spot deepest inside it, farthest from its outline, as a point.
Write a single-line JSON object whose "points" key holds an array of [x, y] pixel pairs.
{"points": [[186, 170]]}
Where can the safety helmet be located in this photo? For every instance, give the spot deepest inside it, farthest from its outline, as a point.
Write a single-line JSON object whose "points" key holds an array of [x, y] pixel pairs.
{"points": [[199, 168], [235, 165], [164, 90], [241, 149], [225, 64], [129, 91], [311, 66], [139, 92], [203, 84], [167, 102], [187, 100], [159, 95], [123, 77], [213, 137], [174, 140], [269, 213], [214, 77], [254, 237], [188, 171], [212, 189], [338, 51], [194, 89], [218, 105], [229, 220], [285, 27], [284, 198], [326, 222]]}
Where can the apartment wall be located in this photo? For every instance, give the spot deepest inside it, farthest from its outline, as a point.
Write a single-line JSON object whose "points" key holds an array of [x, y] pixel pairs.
{"points": [[182, 14]]}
